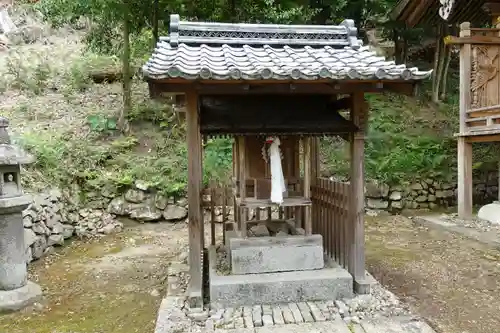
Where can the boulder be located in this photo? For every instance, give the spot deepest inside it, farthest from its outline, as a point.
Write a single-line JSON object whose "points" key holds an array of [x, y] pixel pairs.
{"points": [[174, 213], [490, 213], [29, 237], [55, 240], [39, 247], [377, 204], [395, 196], [146, 214], [135, 196]]}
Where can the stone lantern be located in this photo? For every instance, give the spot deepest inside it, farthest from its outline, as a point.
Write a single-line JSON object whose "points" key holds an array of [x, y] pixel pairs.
{"points": [[16, 292]]}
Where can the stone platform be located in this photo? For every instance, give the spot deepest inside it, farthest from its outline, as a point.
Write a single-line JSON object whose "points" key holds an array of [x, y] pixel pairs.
{"points": [[17, 299], [328, 283], [274, 254]]}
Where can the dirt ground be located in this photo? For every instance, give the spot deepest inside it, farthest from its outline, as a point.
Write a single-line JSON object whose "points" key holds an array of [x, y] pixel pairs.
{"points": [[452, 281], [114, 285]]}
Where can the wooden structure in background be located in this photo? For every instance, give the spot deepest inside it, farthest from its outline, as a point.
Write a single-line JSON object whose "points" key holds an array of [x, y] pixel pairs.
{"points": [[479, 97], [249, 81]]}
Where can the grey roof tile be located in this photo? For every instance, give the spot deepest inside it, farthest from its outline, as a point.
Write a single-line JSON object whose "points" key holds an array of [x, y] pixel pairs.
{"points": [[245, 62], [228, 51]]}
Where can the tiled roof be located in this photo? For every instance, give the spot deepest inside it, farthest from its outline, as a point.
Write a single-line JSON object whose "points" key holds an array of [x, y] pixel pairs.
{"points": [[245, 54]]}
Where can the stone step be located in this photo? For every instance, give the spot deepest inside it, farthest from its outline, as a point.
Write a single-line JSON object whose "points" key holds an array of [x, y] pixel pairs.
{"points": [[283, 287], [276, 254]]}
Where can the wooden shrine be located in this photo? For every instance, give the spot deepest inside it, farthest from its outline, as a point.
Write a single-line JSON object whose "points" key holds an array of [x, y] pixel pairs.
{"points": [[259, 82], [479, 97]]}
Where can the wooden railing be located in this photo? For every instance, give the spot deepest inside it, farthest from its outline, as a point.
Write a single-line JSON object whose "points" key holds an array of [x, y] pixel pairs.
{"points": [[483, 119], [330, 218]]}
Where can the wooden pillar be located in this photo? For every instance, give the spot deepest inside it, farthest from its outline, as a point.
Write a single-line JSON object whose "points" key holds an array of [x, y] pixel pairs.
{"points": [[356, 239], [307, 184], [464, 178], [242, 184], [464, 148], [195, 227]]}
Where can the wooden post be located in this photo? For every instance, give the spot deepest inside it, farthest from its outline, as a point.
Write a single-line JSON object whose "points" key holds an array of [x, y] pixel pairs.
{"points": [[243, 186], [465, 76], [196, 233], [307, 184], [464, 148], [464, 178], [356, 241]]}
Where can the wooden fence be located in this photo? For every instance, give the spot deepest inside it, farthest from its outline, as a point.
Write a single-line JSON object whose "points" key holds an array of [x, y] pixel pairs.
{"points": [[330, 209], [330, 214]]}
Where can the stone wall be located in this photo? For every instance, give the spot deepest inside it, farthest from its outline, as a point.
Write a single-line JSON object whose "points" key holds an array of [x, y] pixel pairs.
{"points": [[429, 193], [146, 205], [49, 222]]}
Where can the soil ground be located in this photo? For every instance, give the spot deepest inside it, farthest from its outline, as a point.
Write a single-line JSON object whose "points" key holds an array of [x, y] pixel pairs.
{"points": [[451, 280], [115, 285], [112, 285]]}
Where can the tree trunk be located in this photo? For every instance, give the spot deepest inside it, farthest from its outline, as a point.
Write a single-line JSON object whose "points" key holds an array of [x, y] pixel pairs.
{"points": [[156, 37], [127, 81], [397, 46], [445, 73], [438, 64]]}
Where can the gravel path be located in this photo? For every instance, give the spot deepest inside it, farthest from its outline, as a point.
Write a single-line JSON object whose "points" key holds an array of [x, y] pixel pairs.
{"points": [[451, 280]]}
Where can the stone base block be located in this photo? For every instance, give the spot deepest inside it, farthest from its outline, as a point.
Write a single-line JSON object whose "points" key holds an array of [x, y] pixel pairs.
{"points": [[283, 287], [275, 254], [17, 299]]}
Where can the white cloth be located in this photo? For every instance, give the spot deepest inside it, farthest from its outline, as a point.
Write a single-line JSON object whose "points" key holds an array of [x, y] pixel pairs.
{"points": [[278, 186]]}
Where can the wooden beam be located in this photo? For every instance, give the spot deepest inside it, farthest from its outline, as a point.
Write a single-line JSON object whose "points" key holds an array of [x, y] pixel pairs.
{"points": [[356, 241], [196, 233], [464, 178], [322, 87], [452, 40]]}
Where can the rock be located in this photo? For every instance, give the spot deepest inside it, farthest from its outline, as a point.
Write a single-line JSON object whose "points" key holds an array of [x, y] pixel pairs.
{"points": [[68, 231], [58, 228], [281, 234], [27, 221], [259, 230], [28, 255], [490, 213], [39, 228], [135, 196], [146, 214], [52, 221], [431, 198], [117, 206], [29, 237], [49, 250], [377, 204], [161, 202], [395, 196], [55, 240], [111, 228], [375, 190], [416, 187], [397, 204], [421, 198], [174, 213], [141, 185], [39, 247], [183, 202], [55, 195]]}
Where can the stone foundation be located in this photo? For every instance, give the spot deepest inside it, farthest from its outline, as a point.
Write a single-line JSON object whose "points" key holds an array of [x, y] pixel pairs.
{"points": [[327, 283], [275, 254]]}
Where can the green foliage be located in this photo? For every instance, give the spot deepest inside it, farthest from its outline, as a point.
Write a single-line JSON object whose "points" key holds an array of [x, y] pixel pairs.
{"points": [[217, 161], [401, 146], [27, 73]]}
